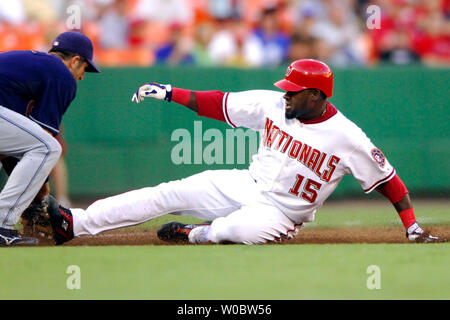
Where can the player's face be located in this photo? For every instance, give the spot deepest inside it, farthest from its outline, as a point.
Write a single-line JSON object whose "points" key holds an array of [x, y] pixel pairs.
{"points": [[299, 104], [78, 68]]}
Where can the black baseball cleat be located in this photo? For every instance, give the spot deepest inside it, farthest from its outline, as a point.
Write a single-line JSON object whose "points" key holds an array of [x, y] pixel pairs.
{"points": [[61, 220], [10, 238], [177, 232]]}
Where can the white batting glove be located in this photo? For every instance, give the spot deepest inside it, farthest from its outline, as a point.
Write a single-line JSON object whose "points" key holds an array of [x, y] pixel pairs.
{"points": [[153, 90], [416, 234]]}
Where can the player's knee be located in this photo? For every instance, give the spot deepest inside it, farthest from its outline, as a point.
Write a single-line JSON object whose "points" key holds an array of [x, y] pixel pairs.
{"points": [[50, 150], [54, 150]]}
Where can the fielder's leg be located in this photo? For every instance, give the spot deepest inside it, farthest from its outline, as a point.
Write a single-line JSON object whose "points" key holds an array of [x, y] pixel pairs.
{"points": [[38, 152]]}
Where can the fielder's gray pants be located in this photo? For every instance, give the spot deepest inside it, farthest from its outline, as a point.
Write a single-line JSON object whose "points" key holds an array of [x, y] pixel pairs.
{"points": [[38, 152]]}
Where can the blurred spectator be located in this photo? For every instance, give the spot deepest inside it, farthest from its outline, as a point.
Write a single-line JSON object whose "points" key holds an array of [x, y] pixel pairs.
{"points": [[397, 49], [137, 34], [202, 38], [393, 18], [338, 35], [223, 46], [310, 8], [413, 30], [60, 7], [302, 47], [168, 12], [225, 9], [177, 51], [306, 21], [267, 45], [432, 42], [113, 24], [240, 33], [12, 12], [40, 10]]}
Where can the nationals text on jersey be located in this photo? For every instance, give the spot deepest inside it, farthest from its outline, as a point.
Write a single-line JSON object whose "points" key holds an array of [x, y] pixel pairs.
{"points": [[309, 156]]}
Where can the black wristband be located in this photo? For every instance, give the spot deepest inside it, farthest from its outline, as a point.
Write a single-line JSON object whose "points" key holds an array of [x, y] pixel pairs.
{"points": [[168, 96]]}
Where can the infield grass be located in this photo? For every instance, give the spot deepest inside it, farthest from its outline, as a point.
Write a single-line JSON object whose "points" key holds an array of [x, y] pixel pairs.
{"points": [[228, 272], [339, 271]]}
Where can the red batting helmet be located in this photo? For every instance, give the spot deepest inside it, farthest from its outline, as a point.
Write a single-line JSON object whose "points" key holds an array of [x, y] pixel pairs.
{"points": [[307, 74]]}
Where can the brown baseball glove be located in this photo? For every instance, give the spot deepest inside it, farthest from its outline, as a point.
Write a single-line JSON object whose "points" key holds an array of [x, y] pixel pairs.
{"points": [[36, 222]]}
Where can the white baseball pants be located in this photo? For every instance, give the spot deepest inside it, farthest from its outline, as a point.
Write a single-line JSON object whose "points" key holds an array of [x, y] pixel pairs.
{"points": [[38, 152], [231, 198]]}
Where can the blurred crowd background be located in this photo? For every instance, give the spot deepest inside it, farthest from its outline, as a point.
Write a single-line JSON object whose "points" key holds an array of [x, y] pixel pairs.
{"points": [[236, 33]]}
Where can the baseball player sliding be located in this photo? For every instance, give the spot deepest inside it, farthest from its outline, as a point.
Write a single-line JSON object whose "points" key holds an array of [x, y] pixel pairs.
{"points": [[306, 147]]}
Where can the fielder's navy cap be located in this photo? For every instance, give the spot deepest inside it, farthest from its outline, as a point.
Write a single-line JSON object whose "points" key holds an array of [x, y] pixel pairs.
{"points": [[78, 43]]}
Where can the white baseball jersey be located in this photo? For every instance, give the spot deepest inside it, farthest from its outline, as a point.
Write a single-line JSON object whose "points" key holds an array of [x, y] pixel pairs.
{"points": [[299, 165]]}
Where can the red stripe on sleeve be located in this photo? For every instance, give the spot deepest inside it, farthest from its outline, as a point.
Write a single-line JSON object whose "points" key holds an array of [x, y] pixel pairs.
{"points": [[225, 111], [379, 182], [210, 104]]}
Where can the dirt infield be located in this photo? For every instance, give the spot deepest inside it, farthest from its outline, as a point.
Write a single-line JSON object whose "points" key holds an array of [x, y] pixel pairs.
{"points": [[122, 237]]}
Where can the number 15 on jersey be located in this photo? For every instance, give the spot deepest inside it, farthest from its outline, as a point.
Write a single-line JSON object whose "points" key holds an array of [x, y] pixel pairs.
{"points": [[309, 188]]}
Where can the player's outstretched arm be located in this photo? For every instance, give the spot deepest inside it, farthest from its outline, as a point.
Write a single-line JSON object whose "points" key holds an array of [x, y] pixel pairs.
{"points": [[166, 92], [397, 193], [205, 103]]}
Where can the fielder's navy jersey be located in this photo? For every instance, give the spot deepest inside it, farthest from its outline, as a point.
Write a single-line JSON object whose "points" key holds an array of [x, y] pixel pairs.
{"points": [[37, 85]]}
